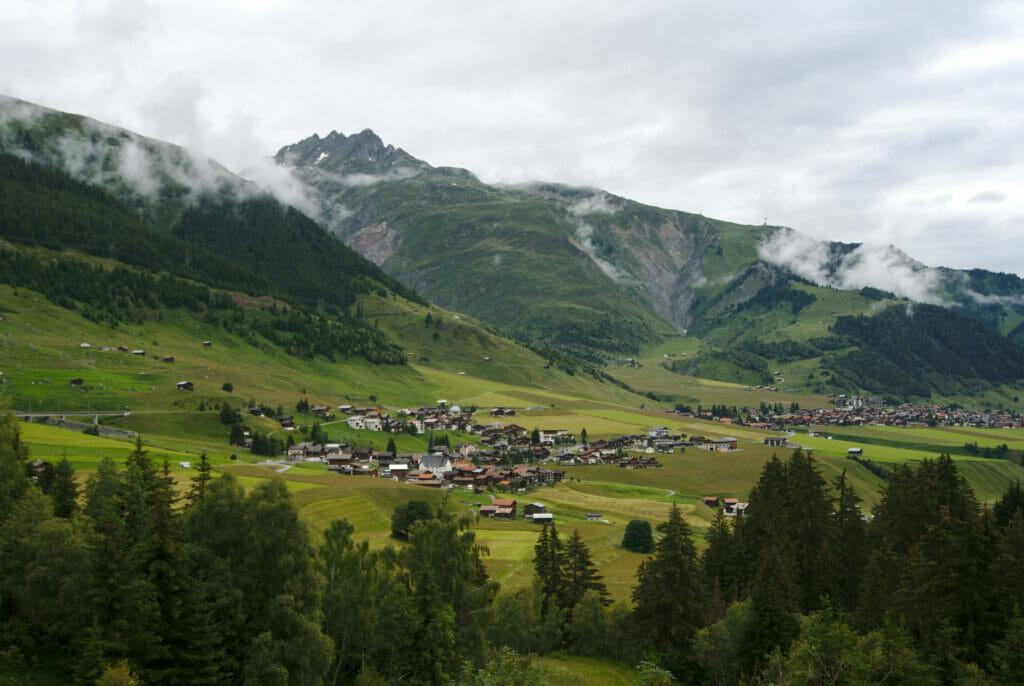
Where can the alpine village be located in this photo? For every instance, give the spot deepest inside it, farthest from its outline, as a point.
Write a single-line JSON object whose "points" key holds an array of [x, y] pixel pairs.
{"points": [[422, 430]]}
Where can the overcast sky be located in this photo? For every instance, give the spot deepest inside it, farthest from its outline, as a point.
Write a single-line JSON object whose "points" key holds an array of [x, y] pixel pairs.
{"points": [[883, 122]]}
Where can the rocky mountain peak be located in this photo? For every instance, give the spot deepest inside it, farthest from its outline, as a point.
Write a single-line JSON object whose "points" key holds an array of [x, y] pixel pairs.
{"points": [[359, 152]]}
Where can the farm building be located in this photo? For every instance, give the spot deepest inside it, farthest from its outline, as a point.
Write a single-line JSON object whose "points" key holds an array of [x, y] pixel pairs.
{"points": [[506, 503], [724, 444], [531, 509]]}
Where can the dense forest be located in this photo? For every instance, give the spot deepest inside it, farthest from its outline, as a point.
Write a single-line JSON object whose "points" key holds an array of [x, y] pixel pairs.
{"points": [[43, 207], [130, 580], [253, 245], [901, 351], [917, 349], [301, 260]]}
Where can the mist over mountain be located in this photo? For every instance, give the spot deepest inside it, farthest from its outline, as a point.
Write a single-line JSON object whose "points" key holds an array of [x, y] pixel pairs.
{"points": [[570, 268], [654, 253]]}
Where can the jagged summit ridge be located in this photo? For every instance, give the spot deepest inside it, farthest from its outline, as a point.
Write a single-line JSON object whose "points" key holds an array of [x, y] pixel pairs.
{"points": [[362, 152]]}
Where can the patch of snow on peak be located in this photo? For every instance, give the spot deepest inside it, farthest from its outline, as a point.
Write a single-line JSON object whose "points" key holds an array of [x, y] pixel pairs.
{"points": [[321, 158]]}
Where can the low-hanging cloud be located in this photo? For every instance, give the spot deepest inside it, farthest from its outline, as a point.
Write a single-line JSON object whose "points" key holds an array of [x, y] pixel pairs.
{"points": [[597, 203], [882, 267], [280, 182], [400, 174], [1003, 300], [142, 166], [105, 155], [584, 236], [594, 204], [101, 154]]}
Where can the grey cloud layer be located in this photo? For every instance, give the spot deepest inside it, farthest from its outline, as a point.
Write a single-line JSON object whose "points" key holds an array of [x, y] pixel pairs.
{"points": [[879, 122]]}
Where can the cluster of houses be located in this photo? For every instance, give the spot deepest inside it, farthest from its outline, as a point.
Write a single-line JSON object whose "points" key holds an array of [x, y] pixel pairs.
{"points": [[857, 411], [506, 443], [435, 470], [731, 507], [640, 447], [420, 420]]}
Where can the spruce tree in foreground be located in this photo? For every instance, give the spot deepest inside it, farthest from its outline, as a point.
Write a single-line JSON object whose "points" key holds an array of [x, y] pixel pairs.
{"points": [[580, 574], [200, 481], [64, 490], [670, 600], [548, 560]]}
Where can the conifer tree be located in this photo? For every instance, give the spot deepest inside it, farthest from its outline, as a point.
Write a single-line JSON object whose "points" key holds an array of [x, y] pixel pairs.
{"points": [[767, 506], [670, 599], [1008, 563], [774, 606], [580, 574], [64, 490], [1010, 504], [850, 550], [199, 482], [717, 562], [548, 561], [121, 598], [13, 454], [809, 523]]}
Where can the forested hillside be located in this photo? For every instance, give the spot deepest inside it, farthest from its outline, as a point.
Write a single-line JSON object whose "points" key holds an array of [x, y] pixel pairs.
{"points": [[918, 349], [290, 251], [258, 240], [44, 206]]}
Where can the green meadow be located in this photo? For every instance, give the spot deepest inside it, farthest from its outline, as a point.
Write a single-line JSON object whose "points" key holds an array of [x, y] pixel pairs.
{"points": [[40, 353]]}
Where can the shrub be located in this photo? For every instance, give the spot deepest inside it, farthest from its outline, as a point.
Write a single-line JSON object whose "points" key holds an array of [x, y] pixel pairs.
{"points": [[638, 537]]}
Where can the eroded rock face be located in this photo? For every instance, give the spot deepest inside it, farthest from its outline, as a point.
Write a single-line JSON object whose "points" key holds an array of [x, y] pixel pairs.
{"points": [[375, 242], [661, 260]]}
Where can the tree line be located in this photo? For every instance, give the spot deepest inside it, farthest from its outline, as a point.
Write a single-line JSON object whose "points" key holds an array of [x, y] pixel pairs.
{"points": [[228, 586], [253, 246]]}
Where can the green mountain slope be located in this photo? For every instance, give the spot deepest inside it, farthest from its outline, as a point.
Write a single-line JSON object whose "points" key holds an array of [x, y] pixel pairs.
{"points": [[77, 266], [574, 267], [575, 270]]}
